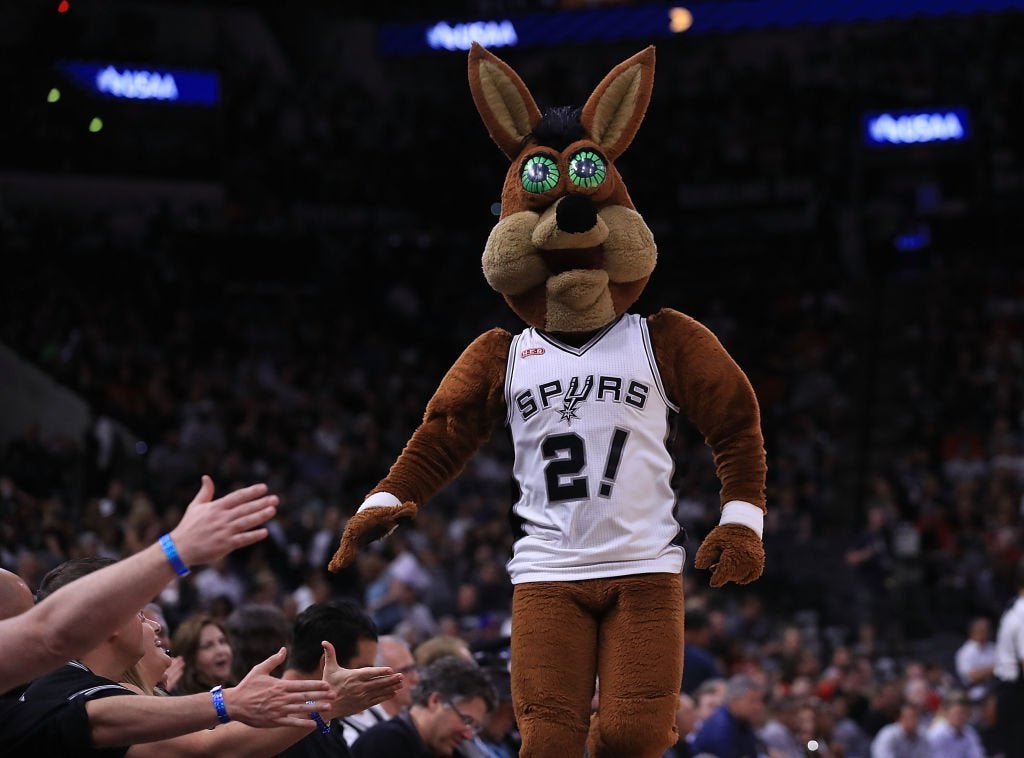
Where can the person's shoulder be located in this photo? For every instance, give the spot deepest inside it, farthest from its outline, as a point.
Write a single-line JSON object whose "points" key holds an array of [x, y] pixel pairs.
{"points": [[364, 719], [696, 652], [886, 733], [43, 727], [390, 734], [57, 679], [772, 729], [717, 722], [319, 745], [72, 681]]}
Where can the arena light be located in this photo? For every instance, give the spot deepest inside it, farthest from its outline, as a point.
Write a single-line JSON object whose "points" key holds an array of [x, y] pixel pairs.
{"points": [[679, 20], [916, 127], [164, 85]]}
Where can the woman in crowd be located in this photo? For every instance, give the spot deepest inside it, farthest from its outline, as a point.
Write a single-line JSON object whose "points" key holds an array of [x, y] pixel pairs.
{"points": [[202, 643], [146, 676]]}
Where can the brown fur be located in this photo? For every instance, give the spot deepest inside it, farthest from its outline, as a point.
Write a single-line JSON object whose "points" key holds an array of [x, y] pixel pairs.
{"points": [[557, 654], [371, 524], [611, 116], [733, 553], [625, 630], [715, 394]]}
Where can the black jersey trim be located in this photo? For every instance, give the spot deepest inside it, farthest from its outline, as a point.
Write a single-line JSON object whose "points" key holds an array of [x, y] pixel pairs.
{"points": [[555, 342]]}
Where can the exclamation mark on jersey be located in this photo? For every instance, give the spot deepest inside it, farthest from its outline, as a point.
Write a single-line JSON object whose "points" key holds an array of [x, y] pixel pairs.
{"points": [[612, 466]]}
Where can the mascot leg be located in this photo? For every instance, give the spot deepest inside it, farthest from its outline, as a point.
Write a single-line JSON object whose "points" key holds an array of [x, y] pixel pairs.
{"points": [[554, 665], [640, 667]]}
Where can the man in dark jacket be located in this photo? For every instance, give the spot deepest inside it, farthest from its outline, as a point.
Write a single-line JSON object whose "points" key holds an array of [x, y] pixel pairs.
{"points": [[729, 731]]}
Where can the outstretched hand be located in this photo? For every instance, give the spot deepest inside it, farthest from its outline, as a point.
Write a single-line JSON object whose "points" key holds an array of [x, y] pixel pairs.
{"points": [[357, 689], [262, 700], [211, 529], [366, 526], [173, 673], [733, 553]]}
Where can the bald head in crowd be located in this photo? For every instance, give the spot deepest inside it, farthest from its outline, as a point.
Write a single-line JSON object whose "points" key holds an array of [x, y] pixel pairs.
{"points": [[15, 596]]}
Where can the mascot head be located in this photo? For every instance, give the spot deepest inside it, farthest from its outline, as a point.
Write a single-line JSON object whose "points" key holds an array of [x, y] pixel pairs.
{"points": [[569, 253]]}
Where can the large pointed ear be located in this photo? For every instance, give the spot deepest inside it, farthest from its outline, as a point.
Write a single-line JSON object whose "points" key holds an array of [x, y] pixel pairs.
{"points": [[614, 111], [504, 102]]}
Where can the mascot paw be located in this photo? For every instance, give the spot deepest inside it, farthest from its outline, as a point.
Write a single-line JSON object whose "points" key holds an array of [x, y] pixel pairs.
{"points": [[733, 552], [365, 527]]}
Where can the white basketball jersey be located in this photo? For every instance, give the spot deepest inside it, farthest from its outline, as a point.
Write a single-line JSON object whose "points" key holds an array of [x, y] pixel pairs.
{"points": [[590, 428]]}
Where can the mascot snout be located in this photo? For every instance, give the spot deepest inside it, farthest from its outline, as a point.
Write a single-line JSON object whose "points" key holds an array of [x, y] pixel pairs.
{"points": [[575, 213]]}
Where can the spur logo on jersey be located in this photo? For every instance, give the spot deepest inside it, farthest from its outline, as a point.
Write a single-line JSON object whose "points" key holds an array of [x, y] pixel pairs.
{"points": [[574, 397], [568, 398]]}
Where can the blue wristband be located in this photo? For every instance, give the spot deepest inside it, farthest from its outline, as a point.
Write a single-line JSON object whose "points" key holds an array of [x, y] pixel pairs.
{"points": [[172, 555], [325, 727], [218, 702]]}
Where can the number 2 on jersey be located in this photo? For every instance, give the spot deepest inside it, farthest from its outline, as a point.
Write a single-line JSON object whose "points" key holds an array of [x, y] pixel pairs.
{"points": [[559, 474]]}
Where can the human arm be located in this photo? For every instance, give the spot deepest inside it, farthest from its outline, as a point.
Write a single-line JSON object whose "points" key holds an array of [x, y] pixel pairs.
{"points": [[855, 556], [74, 620], [268, 714], [460, 416], [233, 740], [714, 393]]}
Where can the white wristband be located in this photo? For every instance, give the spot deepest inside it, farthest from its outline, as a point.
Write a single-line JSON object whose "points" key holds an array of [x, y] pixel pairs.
{"points": [[742, 512], [379, 499]]}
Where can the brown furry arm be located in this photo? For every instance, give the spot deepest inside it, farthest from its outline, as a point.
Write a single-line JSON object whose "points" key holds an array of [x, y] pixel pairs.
{"points": [[462, 413], [704, 380]]}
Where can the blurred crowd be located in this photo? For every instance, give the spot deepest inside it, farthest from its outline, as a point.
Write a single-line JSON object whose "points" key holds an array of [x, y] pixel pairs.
{"points": [[273, 342]]}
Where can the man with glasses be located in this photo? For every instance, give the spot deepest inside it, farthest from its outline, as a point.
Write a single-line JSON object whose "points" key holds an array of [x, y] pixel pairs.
{"points": [[450, 704]]}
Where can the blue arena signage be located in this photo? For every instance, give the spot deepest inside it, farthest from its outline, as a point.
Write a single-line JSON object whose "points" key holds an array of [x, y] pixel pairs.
{"points": [[165, 85], [916, 127], [444, 36], [650, 22]]}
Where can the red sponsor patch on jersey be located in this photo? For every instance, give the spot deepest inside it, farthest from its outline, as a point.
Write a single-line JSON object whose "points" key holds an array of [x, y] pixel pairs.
{"points": [[532, 351]]}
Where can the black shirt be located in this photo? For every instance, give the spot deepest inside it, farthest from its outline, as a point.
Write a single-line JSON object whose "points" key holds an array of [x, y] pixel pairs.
{"points": [[318, 745], [43, 728], [76, 685], [395, 738]]}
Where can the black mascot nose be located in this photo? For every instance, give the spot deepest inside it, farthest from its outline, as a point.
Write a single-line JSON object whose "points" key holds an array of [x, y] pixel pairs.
{"points": [[576, 213]]}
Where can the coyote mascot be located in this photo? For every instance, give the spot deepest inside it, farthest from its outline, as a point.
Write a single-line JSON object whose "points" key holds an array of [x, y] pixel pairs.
{"points": [[589, 394]]}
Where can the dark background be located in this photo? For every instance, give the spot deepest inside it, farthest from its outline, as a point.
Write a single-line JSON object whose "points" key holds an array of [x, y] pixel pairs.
{"points": [[271, 289]]}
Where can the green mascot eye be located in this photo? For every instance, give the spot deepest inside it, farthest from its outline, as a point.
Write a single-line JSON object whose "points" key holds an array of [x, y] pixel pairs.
{"points": [[587, 168], [540, 173]]}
